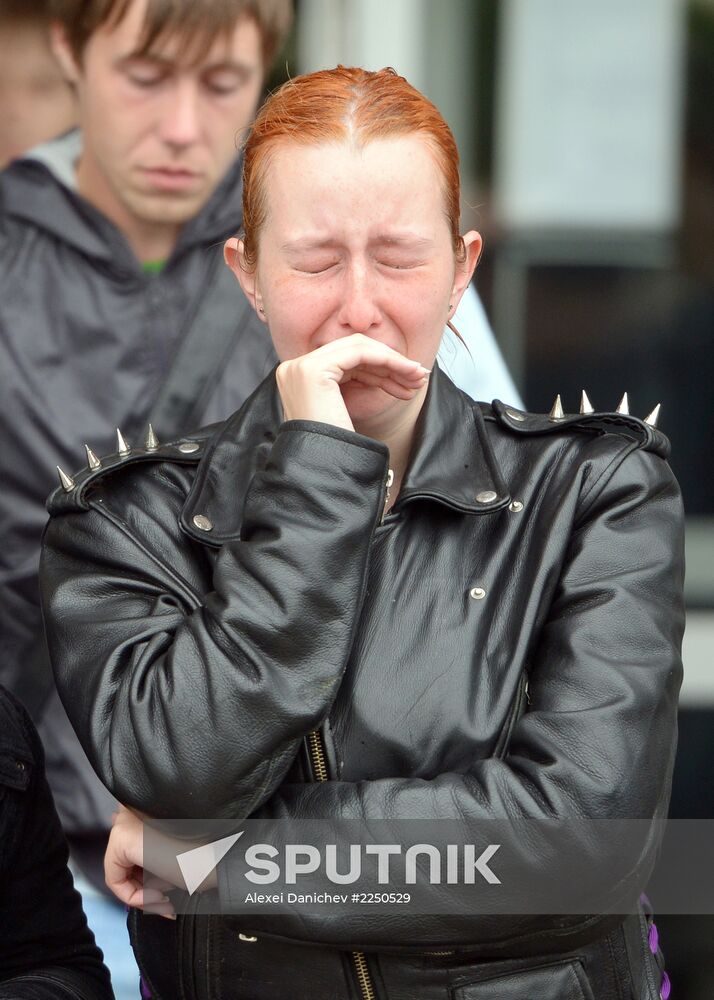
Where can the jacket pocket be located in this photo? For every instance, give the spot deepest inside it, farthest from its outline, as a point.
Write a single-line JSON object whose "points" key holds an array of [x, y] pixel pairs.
{"points": [[557, 981]]}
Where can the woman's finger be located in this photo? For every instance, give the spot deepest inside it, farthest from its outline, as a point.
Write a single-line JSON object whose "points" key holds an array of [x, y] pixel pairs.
{"points": [[362, 372], [127, 890], [351, 352], [156, 882], [150, 897], [377, 376], [388, 385], [161, 908]]}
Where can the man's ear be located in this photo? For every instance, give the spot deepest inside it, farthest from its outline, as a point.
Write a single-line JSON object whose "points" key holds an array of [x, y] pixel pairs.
{"points": [[465, 268], [63, 53], [234, 256]]}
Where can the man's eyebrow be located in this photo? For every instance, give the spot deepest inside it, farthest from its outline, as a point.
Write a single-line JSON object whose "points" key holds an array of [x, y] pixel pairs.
{"points": [[229, 65], [221, 66]]}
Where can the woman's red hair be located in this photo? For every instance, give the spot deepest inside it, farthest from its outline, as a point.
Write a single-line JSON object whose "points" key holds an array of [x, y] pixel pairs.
{"points": [[347, 105]]}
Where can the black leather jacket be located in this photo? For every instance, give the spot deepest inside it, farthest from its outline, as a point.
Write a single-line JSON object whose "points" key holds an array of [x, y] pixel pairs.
{"points": [[47, 952], [505, 643]]}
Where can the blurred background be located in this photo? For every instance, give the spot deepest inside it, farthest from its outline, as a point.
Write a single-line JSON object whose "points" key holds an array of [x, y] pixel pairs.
{"points": [[587, 139], [586, 130]]}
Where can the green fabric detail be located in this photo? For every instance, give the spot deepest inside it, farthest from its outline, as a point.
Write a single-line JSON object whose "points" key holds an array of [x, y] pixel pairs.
{"points": [[153, 266]]}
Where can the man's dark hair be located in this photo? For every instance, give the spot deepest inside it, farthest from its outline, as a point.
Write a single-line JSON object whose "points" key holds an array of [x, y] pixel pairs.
{"points": [[197, 22]]}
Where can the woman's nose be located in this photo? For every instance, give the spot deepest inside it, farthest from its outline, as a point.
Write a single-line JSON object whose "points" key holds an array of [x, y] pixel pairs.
{"points": [[359, 309]]}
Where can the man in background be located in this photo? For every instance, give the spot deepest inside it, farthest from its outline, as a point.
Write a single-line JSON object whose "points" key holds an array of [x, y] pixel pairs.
{"points": [[36, 102], [114, 306]]}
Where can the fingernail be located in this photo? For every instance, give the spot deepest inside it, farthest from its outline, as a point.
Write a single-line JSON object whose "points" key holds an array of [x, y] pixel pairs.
{"points": [[168, 916]]}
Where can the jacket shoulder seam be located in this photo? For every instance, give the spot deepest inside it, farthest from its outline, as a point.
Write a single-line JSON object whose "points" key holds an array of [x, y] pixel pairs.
{"points": [[124, 529], [589, 494]]}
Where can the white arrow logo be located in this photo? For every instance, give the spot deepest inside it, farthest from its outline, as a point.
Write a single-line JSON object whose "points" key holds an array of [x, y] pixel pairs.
{"points": [[197, 864]]}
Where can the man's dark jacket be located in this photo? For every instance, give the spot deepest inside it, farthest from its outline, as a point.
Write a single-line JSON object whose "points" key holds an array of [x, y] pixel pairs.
{"points": [[47, 952], [86, 340], [505, 644]]}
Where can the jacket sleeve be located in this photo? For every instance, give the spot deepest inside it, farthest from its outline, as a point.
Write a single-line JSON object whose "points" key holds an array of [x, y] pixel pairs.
{"points": [[598, 738], [191, 704]]}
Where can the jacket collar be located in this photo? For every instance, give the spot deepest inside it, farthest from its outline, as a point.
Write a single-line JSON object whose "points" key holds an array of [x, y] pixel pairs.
{"points": [[452, 462]]}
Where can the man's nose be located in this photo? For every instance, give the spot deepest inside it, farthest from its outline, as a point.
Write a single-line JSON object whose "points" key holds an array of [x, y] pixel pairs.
{"points": [[359, 309], [180, 117]]}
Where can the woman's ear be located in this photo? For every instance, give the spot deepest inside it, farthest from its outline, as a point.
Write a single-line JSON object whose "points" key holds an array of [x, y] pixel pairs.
{"points": [[234, 256], [473, 245]]}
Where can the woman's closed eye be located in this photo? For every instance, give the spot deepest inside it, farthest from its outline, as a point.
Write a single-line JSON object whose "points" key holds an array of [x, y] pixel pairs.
{"points": [[399, 264], [317, 266], [384, 260]]}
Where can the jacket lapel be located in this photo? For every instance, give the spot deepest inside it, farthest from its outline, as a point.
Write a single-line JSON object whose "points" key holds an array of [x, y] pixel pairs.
{"points": [[452, 461]]}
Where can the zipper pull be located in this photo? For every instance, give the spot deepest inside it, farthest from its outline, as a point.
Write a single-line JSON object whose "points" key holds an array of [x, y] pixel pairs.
{"points": [[389, 484]]}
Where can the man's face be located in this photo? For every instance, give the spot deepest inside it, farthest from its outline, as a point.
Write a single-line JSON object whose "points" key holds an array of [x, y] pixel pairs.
{"points": [[159, 132]]}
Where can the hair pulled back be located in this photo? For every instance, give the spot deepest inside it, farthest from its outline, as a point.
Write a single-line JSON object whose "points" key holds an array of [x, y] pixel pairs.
{"points": [[350, 105]]}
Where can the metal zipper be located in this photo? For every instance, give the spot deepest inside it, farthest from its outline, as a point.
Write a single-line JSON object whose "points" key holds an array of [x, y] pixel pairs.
{"points": [[317, 755], [363, 977], [389, 483], [318, 760]]}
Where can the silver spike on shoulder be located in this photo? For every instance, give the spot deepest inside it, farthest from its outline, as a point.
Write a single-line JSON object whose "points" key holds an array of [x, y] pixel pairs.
{"points": [[653, 417], [623, 406], [123, 448], [585, 405], [93, 462], [66, 482], [152, 442], [557, 411]]}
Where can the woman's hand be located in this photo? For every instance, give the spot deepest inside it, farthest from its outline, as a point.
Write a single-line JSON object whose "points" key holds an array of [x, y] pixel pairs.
{"points": [[124, 867], [309, 386]]}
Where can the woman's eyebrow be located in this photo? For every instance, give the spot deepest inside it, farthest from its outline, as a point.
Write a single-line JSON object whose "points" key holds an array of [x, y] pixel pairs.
{"points": [[401, 239], [407, 240], [308, 244]]}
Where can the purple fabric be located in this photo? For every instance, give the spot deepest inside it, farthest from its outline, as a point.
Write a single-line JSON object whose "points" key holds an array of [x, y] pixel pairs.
{"points": [[144, 989], [666, 987], [653, 938]]}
